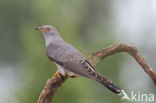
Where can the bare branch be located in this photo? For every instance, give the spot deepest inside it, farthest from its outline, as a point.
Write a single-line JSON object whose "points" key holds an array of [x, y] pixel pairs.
{"points": [[55, 82], [95, 57]]}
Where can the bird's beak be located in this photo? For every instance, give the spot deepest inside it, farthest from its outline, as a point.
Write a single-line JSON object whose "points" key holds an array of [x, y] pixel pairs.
{"points": [[40, 28], [37, 28]]}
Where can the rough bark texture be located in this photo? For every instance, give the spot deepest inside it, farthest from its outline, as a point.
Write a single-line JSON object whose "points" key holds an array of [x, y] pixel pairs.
{"points": [[55, 82]]}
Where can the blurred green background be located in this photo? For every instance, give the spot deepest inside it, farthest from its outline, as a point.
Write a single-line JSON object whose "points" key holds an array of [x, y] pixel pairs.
{"points": [[89, 25]]}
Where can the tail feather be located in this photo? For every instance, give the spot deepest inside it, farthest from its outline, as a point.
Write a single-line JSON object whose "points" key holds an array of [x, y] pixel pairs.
{"points": [[111, 87], [92, 74], [108, 83]]}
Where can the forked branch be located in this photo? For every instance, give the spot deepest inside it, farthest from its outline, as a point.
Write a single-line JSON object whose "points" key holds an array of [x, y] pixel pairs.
{"points": [[55, 82]]}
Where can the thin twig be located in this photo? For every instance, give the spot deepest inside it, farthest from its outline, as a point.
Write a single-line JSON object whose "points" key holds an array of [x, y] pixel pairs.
{"points": [[54, 83]]}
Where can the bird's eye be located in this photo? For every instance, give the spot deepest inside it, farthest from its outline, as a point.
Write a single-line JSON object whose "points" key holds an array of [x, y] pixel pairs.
{"points": [[47, 28]]}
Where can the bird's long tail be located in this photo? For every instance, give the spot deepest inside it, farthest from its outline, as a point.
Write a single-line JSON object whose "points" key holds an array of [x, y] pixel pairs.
{"points": [[108, 83], [111, 87]]}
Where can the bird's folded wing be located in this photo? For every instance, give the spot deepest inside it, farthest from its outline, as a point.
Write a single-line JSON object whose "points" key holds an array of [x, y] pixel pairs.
{"points": [[82, 68]]}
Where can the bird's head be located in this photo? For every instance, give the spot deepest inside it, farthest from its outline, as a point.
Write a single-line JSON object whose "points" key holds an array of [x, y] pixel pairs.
{"points": [[47, 30]]}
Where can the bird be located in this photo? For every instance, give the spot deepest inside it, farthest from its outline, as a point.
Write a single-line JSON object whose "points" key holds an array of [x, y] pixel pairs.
{"points": [[69, 60]]}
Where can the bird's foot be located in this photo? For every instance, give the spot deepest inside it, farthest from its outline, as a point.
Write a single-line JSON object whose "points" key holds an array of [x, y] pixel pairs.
{"points": [[58, 74]]}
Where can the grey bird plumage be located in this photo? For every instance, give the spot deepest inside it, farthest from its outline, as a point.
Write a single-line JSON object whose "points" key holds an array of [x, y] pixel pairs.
{"points": [[69, 60]]}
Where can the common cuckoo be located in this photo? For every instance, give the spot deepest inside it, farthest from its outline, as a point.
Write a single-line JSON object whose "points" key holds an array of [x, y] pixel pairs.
{"points": [[69, 60]]}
